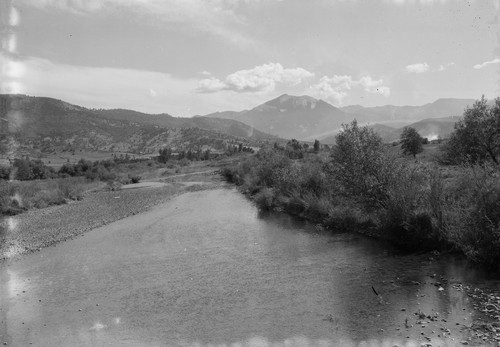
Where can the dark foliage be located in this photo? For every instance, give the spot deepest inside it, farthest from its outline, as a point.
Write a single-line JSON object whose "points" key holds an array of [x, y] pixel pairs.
{"points": [[411, 142], [476, 137]]}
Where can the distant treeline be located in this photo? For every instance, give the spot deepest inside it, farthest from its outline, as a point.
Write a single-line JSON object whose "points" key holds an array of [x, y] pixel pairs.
{"points": [[166, 154]]}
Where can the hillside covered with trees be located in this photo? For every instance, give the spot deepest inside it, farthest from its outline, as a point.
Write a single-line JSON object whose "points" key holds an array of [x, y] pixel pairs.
{"points": [[33, 125]]}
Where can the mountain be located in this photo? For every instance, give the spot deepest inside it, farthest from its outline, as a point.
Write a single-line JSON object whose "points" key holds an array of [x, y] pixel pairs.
{"points": [[306, 118], [299, 117], [30, 124], [438, 109]]}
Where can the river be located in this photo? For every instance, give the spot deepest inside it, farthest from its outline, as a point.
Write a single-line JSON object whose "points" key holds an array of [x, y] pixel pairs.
{"points": [[206, 268]]}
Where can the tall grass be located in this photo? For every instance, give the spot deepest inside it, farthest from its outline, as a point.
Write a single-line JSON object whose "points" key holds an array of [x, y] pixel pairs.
{"points": [[17, 196]]}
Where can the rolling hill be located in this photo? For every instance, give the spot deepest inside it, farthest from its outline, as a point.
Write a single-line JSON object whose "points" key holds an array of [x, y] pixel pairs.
{"points": [[29, 124], [231, 127]]}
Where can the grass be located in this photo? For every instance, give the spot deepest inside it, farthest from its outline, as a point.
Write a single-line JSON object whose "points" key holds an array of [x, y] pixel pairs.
{"points": [[18, 196]]}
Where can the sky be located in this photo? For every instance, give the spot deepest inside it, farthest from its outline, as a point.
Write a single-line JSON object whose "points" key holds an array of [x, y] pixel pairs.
{"points": [[194, 57]]}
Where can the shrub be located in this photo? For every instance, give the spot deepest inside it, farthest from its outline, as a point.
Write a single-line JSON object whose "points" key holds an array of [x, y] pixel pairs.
{"points": [[4, 172], [184, 162], [26, 169], [472, 215], [476, 137], [345, 218], [71, 188], [357, 160], [264, 198], [135, 179], [113, 185]]}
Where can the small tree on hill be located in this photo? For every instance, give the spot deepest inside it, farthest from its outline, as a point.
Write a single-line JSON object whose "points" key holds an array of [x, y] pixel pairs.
{"points": [[411, 141]]}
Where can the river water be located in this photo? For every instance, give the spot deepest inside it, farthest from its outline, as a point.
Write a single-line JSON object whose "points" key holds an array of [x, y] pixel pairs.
{"points": [[207, 268]]}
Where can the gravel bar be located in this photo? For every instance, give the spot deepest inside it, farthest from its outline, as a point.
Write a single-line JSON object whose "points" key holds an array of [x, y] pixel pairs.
{"points": [[35, 229]]}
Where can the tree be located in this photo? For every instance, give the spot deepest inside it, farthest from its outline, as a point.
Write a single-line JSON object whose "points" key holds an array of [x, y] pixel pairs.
{"points": [[23, 172], [476, 137], [4, 172], [294, 149], [411, 141], [357, 159], [316, 146], [206, 155], [164, 155]]}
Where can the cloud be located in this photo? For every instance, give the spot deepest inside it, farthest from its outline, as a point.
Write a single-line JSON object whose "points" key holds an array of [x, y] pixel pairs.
{"points": [[104, 87], [486, 63], [336, 88], [214, 17], [374, 86], [74, 6], [210, 85], [417, 68], [443, 67], [95, 87], [262, 78], [419, 2]]}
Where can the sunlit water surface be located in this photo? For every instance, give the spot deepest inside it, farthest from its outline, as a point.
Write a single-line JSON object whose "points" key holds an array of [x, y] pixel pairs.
{"points": [[207, 269]]}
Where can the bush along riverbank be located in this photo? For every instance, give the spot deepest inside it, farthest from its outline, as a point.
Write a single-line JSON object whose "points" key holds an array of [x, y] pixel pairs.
{"points": [[365, 186]]}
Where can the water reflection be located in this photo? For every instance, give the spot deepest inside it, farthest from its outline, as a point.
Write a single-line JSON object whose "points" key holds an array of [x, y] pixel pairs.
{"points": [[207, 269]]}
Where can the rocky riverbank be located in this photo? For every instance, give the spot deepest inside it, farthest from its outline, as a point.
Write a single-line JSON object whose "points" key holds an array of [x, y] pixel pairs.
{"points": [[35, 229]]}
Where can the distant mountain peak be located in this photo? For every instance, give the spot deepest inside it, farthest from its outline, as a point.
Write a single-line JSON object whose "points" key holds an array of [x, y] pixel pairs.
{"points": [[289, 102], [302, 99]]}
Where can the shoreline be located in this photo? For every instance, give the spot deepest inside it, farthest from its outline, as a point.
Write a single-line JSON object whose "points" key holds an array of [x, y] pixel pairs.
{"points": [[36, 229]]}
